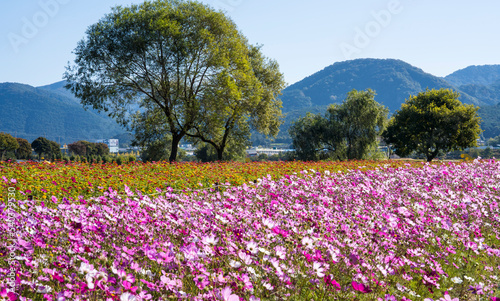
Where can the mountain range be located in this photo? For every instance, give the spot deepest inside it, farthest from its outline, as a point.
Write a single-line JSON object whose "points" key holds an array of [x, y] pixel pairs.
{"points": [[28, 112], [52, 111], [393, 81]]}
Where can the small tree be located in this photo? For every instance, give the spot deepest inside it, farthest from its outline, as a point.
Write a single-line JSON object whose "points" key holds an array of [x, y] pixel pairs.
{"points": [[42, 146], [102, 149], [78, 148], [432, 123], [7, 143], [24, 150], [348, 131]]}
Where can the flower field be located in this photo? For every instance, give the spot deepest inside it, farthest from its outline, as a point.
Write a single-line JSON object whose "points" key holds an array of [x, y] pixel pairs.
{"points": [[72, 180], [301, 231]]}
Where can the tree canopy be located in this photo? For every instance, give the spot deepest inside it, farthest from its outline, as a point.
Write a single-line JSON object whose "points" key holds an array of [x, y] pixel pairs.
{"points": [[85, 148], [228, 113], [182, 57], [347, 131], [7, 143], [432, 123], [24, 150], [44, 146]]}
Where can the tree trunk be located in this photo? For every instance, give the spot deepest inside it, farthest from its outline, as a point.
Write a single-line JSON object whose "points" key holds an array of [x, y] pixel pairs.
{"points": [[431, 156], [220, 152], [176, 138]]}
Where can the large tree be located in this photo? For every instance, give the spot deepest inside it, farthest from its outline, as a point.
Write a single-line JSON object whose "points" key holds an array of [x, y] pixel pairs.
{"points": [[7, 143], [433, 122], [348, 130], [169, 53]]}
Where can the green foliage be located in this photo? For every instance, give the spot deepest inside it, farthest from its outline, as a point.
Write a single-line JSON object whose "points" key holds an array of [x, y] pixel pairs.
{"points": [[348, 131], [433, 122], [207, 153], [495, 142], [228, 112], [186, 52], [42, 146], [309, 138], [88, 149], [24, 151], [7, 143], [151, 134]]}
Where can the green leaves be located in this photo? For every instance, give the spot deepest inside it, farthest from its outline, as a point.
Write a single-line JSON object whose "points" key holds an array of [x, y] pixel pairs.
{"points": [[432, 123], [7, 143], [348, 131]]}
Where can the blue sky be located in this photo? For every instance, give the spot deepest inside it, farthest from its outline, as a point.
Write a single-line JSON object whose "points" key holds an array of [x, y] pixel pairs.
{"points": [[38, 36]]}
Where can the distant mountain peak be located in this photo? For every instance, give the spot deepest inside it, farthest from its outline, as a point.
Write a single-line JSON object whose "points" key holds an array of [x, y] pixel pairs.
{"points": [[478, 75], [393, 80]]}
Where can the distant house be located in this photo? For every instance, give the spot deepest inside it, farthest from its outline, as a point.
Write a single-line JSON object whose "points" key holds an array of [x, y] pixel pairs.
{"points": [[113, 144]]}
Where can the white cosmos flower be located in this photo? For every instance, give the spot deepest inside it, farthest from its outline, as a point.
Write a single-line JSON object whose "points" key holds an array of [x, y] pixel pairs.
{"points": [[127, 297], [253, 247], [469, 278], [268, 286], [210, 240], [456, 280], [86, 268], [44, 289], [317, 267], [264, 251], [234, 264], [309, 243]]}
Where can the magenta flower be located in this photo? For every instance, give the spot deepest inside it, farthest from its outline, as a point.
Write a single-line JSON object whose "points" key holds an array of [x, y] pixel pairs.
{"points": [[361, 287]]}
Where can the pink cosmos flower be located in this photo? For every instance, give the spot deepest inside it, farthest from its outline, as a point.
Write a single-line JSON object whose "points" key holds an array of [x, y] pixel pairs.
{"points": [[247, 259], [328, 279], [448, 298], [227, 296]]}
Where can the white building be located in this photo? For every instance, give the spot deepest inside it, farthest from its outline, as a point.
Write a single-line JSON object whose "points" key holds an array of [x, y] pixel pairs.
{"points": [[113, 144], [255, 151]]}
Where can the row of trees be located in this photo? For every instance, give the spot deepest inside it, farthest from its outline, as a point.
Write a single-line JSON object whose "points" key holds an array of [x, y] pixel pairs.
{"points": [[88, 149], [48, 149], [22, 149], [431, 123]]}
